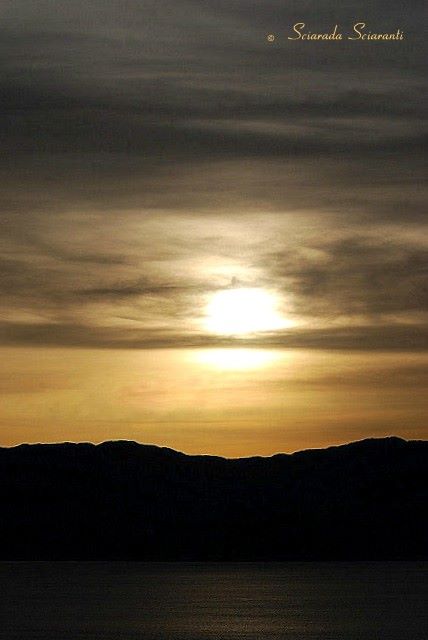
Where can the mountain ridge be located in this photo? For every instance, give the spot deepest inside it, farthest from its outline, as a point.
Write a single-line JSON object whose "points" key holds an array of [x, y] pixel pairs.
{"points": [[135, 443], [124, 500]]}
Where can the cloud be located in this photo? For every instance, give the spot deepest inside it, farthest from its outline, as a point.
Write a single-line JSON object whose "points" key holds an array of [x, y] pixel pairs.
{"points": [[355, 276], [152, 155], [394, 338]]}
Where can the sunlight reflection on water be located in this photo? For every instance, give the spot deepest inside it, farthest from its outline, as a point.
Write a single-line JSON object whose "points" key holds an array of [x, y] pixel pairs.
{"points": [[186, 601]]}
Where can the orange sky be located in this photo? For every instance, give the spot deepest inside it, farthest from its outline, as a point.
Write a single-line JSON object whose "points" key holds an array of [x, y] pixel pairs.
{"points": [[226, 402]]}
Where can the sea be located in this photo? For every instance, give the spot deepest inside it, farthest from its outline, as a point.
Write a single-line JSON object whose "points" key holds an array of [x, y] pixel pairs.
{"points": [[213, 601]]}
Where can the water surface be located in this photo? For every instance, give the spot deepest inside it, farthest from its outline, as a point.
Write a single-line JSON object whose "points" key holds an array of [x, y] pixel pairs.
{"points": [[207, 601]]}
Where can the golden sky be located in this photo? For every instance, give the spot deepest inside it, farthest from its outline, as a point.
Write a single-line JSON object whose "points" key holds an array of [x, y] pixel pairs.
{"points": [[230, 402]]}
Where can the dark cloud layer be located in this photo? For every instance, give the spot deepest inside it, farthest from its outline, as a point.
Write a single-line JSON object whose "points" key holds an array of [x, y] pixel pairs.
{"points": [[358, 276], [145, 144]]}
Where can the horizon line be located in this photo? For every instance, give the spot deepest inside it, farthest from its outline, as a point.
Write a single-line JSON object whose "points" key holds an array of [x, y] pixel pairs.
{"points": [[391, 437]]}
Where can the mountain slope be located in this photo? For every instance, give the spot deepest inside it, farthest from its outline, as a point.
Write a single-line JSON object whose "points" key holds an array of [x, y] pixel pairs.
{"points": [[364, 500]]}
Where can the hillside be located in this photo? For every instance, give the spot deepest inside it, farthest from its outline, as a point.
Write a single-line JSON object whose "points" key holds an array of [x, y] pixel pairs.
{"points": [[123, 500]]}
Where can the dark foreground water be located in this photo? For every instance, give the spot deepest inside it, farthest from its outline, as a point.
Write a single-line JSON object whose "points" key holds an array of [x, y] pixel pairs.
{"points": [[291, 601]]}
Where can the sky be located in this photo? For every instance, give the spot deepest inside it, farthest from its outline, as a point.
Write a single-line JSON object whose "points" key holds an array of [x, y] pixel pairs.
{"points": [[210, 241]]}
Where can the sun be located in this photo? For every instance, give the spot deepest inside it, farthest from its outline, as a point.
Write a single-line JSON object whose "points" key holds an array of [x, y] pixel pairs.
{"points": [[243, 311]]}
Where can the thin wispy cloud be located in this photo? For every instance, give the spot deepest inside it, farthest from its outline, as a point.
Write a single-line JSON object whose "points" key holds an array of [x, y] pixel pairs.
{"points": [[151, 156]]}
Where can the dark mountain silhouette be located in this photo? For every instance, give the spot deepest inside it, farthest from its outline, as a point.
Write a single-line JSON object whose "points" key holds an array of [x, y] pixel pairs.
{"points": [[123, 500]]}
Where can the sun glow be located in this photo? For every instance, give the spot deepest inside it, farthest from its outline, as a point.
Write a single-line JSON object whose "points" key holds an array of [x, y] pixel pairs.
{"points": [[242, 311], [228, 359]]}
